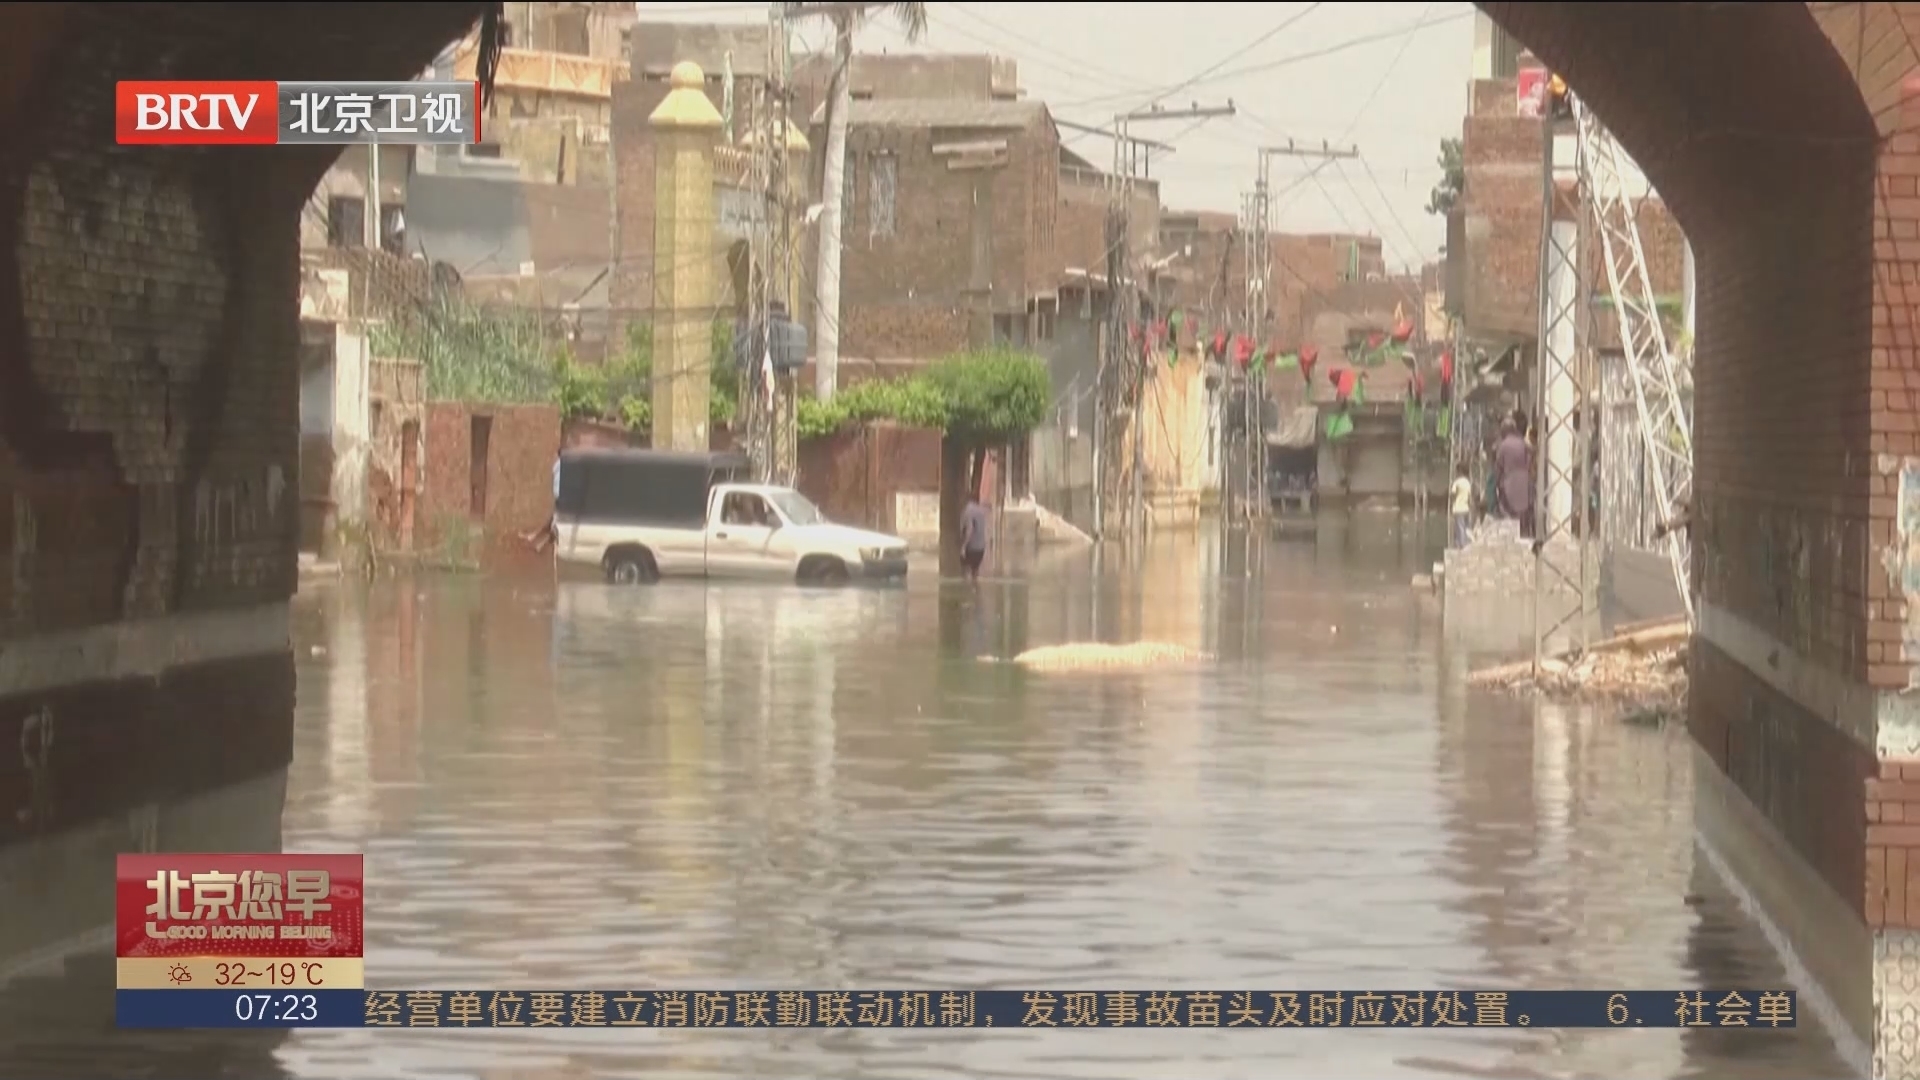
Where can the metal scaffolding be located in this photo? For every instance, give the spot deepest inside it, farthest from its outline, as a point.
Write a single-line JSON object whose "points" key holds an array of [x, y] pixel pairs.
{"points": [[1660, 381], [1563, 377]]}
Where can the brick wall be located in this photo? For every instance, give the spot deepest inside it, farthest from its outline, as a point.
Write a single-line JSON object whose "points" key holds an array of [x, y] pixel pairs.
{"points": [[1080, 231], [855, 474], [904, 292], [1359, 307], [1501, 207], [1305, 271], [519, 474], [149, 391], [630, 285], [532, 126], [396, 445], [1787, 421]]}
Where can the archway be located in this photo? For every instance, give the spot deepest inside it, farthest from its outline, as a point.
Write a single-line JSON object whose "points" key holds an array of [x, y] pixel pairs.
{"points": [[148, 409]]}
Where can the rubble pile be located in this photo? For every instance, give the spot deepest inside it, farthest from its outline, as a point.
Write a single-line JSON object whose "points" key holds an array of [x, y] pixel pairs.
{"points": [[1647, 670], [1497, 562]]}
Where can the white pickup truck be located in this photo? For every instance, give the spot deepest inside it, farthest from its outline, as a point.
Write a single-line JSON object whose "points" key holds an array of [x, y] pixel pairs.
{"points": [[637, 516]]}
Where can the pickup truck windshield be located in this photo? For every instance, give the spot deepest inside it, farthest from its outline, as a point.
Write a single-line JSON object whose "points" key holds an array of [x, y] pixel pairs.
{"points": [[796, 507]]}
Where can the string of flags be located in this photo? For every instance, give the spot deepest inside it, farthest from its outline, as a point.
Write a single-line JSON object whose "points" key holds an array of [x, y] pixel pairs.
{"points": [[1247, 353]]}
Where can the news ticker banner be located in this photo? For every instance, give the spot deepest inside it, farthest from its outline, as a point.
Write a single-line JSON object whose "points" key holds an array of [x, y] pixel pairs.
{"points": [[189, 925], [172, 113], [1004, 1009], [233, 941]]}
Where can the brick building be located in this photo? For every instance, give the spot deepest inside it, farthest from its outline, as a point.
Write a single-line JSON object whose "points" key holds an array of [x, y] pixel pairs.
{"points": [[1493, 253], [1211, 277], [894, 76], [656, 48], [550, 116], [908, 263]]}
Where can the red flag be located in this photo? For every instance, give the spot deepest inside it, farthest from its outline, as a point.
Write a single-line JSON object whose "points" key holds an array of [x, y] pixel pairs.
{"points": [[1446, 368], [1402, 332], [1242, 349], [1374, 341], [1309, 356], [1218, 349], [1344, 381]]}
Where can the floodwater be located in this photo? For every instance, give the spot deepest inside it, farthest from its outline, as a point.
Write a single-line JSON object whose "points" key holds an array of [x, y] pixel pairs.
{"points": [[764, 787]]}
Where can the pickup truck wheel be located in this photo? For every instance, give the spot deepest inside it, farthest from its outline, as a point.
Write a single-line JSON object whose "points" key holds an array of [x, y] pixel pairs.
{"points": [[632, 568], [823, 570]]}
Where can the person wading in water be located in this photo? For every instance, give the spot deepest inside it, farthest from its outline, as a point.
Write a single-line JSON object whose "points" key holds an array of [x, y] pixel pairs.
{"points": [[973, 537]]}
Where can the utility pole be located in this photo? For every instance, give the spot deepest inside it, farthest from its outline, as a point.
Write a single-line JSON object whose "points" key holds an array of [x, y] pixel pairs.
{"points": [[1258, 311], [372, 206], [833, 195], [1123, 370], [767, 404]]}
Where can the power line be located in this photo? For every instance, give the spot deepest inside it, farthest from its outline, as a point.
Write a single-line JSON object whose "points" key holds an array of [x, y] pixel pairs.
{"points": [[1063, 62], [1388, 203], [1424, 23], [1271, 33], [1374, 95]]}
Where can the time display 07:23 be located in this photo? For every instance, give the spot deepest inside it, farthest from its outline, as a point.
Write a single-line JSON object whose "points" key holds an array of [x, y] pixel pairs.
{"points": [[275, 1008]]}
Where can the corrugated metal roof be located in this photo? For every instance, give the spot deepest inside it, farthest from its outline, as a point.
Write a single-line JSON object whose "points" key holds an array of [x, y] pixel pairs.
{"points": [[941, 112]]}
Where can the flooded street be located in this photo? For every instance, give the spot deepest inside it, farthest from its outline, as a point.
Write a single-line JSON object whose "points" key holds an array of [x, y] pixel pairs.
{"points": [[765, 787]]}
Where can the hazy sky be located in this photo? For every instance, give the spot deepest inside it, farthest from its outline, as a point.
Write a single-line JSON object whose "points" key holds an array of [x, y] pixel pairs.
{"points": [[1388, 77]]}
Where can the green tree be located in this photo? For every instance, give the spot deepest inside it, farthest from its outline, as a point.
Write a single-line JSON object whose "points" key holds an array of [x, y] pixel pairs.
{"points": [[1453, 178], [985, 397]]}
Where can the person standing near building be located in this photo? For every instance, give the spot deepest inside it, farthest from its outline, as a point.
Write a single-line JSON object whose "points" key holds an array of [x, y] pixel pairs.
{"points": [[973, 537], [1513, 465], [1462, 508]]}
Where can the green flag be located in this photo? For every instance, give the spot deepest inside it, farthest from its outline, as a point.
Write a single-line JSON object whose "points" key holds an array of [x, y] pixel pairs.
{"points": [[1443, 422], [1260, 360], [1339, 426], [1286, 361], [1360, 391]]}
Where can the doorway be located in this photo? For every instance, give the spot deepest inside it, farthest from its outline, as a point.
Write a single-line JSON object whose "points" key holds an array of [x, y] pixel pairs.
{"points": [[409, 479], [479, 438]]}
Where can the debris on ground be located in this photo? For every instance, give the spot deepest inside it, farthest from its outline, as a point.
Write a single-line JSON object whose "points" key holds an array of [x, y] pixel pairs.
{"points": [[1103, 656], [1645, 670]]}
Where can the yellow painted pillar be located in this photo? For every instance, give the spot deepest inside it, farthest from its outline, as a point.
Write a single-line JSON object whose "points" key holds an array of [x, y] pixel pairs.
{"points": [[799, 156], [686, 256]]}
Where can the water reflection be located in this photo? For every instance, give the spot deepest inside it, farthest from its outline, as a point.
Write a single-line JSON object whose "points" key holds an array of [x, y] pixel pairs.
{"points": [[765, 787], [754, 787], [56, 997]]}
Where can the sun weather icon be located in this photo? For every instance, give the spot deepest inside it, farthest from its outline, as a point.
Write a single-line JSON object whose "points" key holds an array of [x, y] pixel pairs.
{"points": [[178, 974]]}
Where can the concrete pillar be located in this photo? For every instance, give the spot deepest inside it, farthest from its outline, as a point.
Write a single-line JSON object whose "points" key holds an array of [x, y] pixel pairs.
{"points": [[1687, 288], [1561, 393], [352, 421], [686, 130], [799, 154]]}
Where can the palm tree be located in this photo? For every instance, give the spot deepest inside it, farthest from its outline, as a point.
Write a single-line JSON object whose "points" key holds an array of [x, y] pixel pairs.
{"points": [[833, 188]]}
